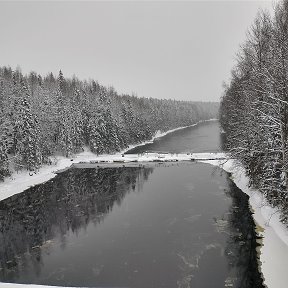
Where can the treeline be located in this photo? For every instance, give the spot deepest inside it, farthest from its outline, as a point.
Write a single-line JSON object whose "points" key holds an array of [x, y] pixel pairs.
{"points": [[45, 116], [254, 108]]}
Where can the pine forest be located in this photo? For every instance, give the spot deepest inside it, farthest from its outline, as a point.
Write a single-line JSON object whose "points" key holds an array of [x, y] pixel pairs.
{"points": [[44, 116], [254, 107]]}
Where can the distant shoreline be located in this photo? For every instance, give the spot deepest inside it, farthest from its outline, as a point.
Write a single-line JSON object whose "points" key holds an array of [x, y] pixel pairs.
{"points": [[23, 179]]}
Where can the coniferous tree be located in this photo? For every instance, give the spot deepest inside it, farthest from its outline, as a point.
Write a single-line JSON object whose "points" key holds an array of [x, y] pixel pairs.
{"points": [[46, 116], [26, 131], [253, 109]]}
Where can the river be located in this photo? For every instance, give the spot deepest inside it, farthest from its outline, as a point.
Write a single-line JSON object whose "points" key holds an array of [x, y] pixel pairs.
{"points": [[204, 137], [152, 225]]}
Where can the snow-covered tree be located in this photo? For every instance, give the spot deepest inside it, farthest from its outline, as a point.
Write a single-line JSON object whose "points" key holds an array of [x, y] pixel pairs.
{"points": [[25, 131], [48, 115]]}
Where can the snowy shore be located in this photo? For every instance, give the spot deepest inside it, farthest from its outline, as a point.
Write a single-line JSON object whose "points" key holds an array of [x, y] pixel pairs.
{"points": [[22, 180], [274, 252]]}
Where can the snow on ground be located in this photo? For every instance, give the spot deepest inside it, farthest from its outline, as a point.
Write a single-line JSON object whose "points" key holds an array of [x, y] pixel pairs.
{"points": [[274, 252], [17, 183], [22, 180]]}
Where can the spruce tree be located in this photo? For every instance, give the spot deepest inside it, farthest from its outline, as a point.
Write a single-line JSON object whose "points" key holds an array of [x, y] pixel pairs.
{"points": [[26, 132]]}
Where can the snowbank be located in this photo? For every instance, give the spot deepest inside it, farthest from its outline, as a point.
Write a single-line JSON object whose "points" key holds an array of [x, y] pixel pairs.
{"points": [[17, 183], [274, 252], [22, 180]]}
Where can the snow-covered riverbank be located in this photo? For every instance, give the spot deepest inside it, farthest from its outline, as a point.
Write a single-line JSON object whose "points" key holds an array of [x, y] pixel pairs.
{"points": [[274, 252], [22, 180]]}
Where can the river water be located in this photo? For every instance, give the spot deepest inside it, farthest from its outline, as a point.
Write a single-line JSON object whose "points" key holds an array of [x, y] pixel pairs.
{"points": [[204, 137], [153, 225]]}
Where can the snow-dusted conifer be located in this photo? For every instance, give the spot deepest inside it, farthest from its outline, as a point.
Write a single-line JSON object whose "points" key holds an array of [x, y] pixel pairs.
{"points": [[26, 132]]}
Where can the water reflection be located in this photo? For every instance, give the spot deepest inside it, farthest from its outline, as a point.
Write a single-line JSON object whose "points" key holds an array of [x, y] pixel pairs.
{"points": [[223, 141], [189, 226], [242, 243], [30, 221]]}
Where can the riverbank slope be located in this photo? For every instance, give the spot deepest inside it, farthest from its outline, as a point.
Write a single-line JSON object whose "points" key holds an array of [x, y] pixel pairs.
{"points": [[22, 180], [274, 249]]}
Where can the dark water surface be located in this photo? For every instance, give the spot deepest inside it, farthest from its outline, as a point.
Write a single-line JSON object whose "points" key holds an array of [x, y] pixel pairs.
{"points": [[204, 137], [156, 225]]}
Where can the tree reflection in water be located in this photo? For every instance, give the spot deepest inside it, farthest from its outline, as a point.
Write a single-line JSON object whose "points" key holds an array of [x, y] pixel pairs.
{"points": [[30, 220], [242, 243]]}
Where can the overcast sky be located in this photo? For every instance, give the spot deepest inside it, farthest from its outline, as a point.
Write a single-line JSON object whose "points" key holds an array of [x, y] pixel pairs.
{"points": [[179, 50]]}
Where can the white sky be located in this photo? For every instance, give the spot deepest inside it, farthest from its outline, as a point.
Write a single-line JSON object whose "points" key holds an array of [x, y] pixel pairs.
{"points": [[179, 50]]}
